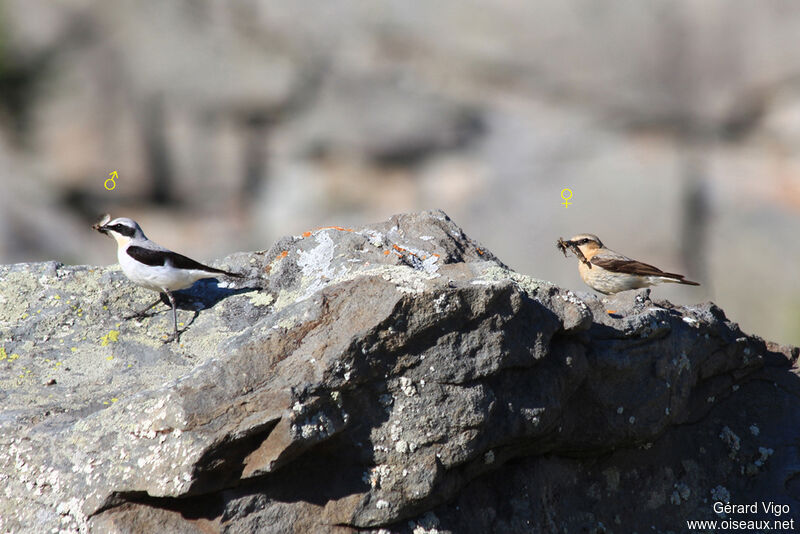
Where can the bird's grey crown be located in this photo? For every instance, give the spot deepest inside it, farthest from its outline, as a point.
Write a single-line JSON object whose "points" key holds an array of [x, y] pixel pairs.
{"points": [[588, 237]]}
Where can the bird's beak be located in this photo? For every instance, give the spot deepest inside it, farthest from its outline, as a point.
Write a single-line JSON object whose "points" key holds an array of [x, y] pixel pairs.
{"points": [[100, 225], [563, 245]]}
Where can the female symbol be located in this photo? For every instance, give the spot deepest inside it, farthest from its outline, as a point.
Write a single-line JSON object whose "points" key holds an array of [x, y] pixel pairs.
{"points": [[566, 198], [113, 175]]}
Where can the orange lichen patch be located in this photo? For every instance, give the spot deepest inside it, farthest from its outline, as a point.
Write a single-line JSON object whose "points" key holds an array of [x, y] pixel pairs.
{"points": [[283, 255], [340, 228], [435, 254], [480, 252], [400, 251], [385, 252], [610, 312], [335, 228]]}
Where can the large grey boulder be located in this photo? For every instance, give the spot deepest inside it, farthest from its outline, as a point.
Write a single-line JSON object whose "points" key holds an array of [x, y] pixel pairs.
{"points": [[396, 377]]}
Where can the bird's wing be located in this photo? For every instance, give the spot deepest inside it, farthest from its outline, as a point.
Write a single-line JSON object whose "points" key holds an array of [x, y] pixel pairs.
{"points": [[154, 257], [621, 264]]}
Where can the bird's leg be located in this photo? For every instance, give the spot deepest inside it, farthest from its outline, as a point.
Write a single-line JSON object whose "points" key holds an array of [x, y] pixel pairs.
{"points": [[174, 336], [142, 312]]}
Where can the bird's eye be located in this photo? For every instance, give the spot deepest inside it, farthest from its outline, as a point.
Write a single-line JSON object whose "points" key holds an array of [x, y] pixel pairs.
{"points": [[584, 241]]}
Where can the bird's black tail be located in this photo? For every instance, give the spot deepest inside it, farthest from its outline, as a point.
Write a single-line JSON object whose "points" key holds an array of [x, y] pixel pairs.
{"points": [[679, 279], [220, 271]]}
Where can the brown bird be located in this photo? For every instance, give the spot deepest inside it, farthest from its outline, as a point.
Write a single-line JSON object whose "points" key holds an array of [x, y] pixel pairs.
{"points": [[610, 272]]}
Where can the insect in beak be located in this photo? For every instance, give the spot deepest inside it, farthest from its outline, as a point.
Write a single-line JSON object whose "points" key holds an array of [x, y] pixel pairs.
{"points": [[100, 225], [564, 245]]}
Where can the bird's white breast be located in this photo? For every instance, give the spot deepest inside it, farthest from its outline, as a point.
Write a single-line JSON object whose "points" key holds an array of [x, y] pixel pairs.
{"points": [[158, 277]]}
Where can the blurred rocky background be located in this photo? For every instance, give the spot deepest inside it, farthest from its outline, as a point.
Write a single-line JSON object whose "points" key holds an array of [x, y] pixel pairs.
{"points": [[676, 124]]}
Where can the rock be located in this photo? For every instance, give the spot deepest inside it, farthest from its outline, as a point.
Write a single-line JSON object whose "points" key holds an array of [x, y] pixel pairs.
{"points": [[396, 376]]}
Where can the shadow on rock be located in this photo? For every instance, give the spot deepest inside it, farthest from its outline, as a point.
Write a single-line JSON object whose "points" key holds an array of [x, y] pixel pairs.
{"points": [[204, 294]]}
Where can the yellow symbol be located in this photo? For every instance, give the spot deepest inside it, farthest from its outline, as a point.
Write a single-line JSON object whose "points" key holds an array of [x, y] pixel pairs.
{"points": [[113, 175], [566, 198]]}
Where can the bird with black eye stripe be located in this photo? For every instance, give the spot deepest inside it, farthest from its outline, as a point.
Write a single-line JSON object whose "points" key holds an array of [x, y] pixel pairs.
{"points": [[152, 266], [609, 272]]}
